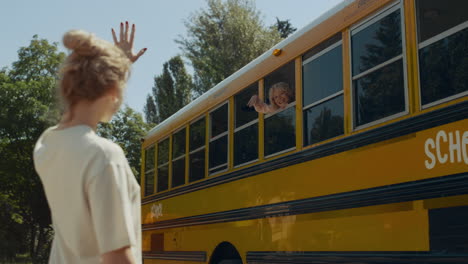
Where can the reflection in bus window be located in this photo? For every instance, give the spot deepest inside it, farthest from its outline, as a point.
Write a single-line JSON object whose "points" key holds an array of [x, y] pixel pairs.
{"points": [[178, 158], [197, 150], [149, 170], [280, 132], [280, 127], [285, 74], [377, 69], [443, 42], [218, 151], [323, 95], [163, 165], [246, 128]]}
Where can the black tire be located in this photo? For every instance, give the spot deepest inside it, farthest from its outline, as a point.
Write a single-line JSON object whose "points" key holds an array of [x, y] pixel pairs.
{"points": [[230, 261]]}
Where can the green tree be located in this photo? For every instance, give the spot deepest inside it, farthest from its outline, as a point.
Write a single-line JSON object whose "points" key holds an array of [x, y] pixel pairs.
{"points": [[172, 90], [284, 27], [223, 38], [126, 129], [28, 108]]}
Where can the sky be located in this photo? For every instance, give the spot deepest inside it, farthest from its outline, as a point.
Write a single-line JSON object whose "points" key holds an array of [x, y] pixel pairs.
{"points": [[158, 24]]}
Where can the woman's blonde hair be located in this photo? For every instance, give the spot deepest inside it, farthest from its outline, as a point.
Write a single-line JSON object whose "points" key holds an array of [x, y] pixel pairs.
{"points": [[94, 67], [281, 86]]}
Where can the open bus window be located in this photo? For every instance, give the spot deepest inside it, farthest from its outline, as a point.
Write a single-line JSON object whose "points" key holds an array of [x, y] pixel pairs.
{"points": [[219, 139], [280, 126], [323, 93], [178, 158], [377, 68], [246, 128], [197, 150], [442, 42], [163, 165], [149, 170]]}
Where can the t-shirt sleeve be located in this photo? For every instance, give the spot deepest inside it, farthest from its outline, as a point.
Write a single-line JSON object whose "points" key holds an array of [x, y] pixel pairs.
{"points": [[111, 210]]}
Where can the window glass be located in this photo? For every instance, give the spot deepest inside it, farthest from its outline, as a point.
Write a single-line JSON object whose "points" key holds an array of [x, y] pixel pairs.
{"points": [[149, 170], [219, 120], [324, 121], [285, 74], [443, 67], [178, 172], [163, 151], [245, 114], [149, 158], [218, 151], [149, 183], [379, 94], [376, 43], [436, 16], [246, 144], [197, 134], [178, 144], [323, 76], [163, 178], [280, 131], [322, 46], [197, 165]]}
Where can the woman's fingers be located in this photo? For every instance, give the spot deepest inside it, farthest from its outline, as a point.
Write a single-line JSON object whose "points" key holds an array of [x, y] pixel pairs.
{"points": [[126, 31], [116, 42], [121, 32], [141, 52], [132, 35]]}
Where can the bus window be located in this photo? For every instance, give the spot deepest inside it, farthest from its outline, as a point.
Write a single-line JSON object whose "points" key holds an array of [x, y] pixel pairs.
{"points": [[323, 94], [218, 139], [149, 170], [178, 158], [377, 68], [163, 165], [246, 127], [442, 43], [197, 150], [280, 126]]}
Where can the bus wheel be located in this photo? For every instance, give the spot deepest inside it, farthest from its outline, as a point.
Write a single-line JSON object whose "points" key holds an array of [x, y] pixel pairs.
{"points": [[225, 253], [230, 261]]}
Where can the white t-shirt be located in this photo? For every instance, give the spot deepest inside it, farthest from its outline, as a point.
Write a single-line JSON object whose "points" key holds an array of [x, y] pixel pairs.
{"points": [[92, 193]]}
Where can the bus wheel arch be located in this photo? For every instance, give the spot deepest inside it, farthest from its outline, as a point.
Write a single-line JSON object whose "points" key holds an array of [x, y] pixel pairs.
{"points": [[225, 253]]}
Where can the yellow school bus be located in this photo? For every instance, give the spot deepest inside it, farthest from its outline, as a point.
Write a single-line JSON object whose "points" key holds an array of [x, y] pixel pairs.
{"points": [[367, 162]]}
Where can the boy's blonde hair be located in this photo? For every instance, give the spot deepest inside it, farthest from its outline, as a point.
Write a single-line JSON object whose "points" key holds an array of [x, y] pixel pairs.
{"points": [[281, 86], [93, 68]]}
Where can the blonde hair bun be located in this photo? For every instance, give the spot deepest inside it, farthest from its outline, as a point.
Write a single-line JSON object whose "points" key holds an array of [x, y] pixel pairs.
{"points": [[81, 42]]}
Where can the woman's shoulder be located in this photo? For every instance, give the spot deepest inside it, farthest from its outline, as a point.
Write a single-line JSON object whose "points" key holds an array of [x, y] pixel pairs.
{"points": [[105, 147]]}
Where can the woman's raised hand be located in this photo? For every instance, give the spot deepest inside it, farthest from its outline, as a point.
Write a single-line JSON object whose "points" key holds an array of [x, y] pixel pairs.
{"points": [[125, 43]]}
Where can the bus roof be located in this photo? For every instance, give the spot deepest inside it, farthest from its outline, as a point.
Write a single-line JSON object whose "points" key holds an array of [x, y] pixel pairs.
{"points": [[191, 110]]}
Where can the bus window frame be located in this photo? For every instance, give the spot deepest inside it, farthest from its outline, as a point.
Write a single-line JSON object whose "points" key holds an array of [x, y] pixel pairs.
{"points": [[445, 34], [203, 147], [266, 116], [356, 28], [168, 137], [325, 99], [246, 125], [226, 133], [179, 157], [153, 170]]}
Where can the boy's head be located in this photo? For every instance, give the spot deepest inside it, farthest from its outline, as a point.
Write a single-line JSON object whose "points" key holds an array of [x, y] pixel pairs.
{"points": [[281, 94]]}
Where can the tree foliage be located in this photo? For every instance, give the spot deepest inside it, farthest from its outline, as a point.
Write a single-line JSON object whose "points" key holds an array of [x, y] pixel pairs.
{"points": [[172, 90], [223, 38], [284, 27], [28, 107], [126, 129]]}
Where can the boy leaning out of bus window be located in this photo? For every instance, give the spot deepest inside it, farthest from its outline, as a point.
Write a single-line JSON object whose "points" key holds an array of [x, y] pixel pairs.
{"points": [[280, 95]]}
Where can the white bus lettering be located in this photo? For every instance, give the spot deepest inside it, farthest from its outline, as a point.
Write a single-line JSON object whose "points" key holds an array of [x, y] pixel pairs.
{"points": [[455, 146], [429, 164], [464, 144], [447, 145], [442, 158]]}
